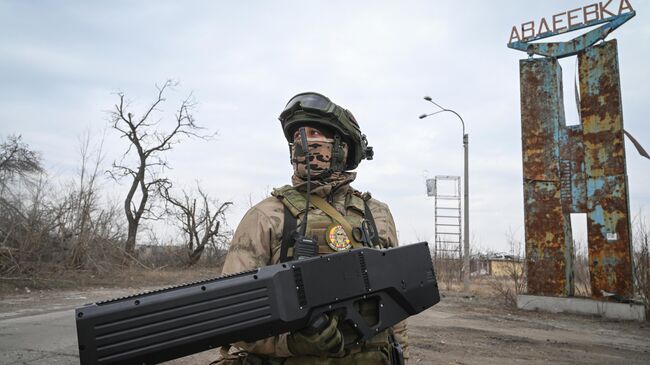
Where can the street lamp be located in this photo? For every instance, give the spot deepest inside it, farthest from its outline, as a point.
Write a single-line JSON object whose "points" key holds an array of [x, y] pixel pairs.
{"points": [[466, 267]]}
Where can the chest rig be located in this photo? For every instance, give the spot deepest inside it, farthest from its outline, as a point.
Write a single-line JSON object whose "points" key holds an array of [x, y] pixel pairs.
{"points": [[320, 225], [323, 224]]}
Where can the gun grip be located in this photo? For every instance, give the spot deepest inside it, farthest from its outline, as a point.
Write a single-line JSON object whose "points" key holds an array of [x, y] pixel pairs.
{"points": [[389, 313], [317, 325]]}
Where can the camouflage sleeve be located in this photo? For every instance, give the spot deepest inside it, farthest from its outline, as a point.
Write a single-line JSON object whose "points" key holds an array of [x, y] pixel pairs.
{"points": [[385, 223], [388, 237], [251, 247]]}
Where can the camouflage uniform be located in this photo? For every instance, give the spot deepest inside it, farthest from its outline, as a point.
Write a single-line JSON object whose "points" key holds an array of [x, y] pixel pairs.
{"points": [[257, 242]]}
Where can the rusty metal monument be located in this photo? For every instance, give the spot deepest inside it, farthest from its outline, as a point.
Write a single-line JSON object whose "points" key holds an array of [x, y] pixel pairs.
{"points": [[577, 168]]}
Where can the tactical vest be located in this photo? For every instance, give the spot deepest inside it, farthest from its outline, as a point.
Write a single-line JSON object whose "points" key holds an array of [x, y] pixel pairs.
{"points": [[318, 226], [321, 225]]}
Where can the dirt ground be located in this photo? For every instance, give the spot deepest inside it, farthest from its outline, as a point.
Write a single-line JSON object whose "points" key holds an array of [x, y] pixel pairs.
{"points": [[463, 330], [459, 330]]}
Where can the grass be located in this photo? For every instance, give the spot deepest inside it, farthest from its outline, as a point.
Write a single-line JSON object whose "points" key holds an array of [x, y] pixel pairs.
{"points": [[122, 278]]}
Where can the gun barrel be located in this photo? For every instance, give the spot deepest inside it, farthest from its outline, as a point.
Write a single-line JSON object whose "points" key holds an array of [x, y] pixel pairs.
{"points": [[173, 322]]}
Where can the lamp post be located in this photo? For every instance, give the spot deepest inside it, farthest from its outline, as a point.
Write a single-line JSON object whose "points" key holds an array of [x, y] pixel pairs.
{"points": [[465, 192]]}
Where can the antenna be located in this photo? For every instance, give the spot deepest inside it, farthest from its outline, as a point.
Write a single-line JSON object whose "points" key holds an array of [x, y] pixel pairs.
{"points": [[304, 247], [305, 150]]}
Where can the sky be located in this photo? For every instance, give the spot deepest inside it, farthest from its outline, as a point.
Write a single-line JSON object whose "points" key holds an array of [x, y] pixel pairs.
{"points": [[62, 63]]}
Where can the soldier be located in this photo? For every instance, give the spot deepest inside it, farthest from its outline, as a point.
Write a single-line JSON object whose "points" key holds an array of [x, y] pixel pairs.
{"points": [[339, 218]]}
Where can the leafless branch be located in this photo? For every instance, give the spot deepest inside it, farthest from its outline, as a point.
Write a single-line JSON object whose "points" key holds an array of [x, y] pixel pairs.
{"points": [[147, 145], [195, 218]]}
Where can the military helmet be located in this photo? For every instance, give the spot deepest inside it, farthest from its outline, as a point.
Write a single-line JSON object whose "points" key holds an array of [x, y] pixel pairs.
{"points": [[310, 108]]}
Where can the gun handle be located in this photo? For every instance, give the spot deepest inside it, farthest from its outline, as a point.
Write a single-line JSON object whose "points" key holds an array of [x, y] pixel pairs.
{"points": [[317, 325], [389, 313]]}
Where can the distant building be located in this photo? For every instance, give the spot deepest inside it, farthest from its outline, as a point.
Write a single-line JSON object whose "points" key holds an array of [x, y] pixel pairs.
{"points": [[496, 264]]}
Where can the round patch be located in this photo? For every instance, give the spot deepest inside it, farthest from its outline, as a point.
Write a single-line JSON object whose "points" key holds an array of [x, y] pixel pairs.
{"points": [[337, 239]]}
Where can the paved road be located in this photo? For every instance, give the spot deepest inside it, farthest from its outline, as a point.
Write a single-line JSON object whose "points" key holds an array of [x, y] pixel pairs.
{"points": [[48, 338], [39, 328]]}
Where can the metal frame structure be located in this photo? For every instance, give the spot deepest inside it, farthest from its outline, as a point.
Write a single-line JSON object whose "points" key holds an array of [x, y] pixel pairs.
{"points": [[447, 216]]}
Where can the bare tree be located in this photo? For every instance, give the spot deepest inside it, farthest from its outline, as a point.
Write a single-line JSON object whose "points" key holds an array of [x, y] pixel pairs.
{"points": [[82, 202], [642, 259], [512, 280], [147, 144], [20, 173], [197, 217], [45, 226], [16, 158], [581, 275], [447, 263]]}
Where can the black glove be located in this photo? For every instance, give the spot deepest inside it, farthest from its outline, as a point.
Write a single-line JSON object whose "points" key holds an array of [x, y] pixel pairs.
{"points": [[321, 338]]}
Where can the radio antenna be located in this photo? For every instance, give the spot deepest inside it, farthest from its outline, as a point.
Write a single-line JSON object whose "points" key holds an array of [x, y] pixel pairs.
{"points": [[305, 147], [304, 247]]}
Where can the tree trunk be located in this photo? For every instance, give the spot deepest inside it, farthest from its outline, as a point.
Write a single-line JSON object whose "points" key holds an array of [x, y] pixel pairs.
{"points": [[195, 255], [130, 240]]}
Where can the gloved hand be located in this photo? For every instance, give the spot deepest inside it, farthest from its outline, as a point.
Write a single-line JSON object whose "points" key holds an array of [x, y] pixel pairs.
{"points": [[324, 340]]}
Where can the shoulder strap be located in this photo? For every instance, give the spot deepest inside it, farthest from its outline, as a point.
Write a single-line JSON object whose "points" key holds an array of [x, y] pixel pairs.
{"points": [[323, 205], [291, 200], [368, 216], [288, 230]]}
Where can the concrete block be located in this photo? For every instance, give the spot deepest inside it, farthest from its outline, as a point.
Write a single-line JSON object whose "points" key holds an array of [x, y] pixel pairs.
{"points": [[610, 310]]}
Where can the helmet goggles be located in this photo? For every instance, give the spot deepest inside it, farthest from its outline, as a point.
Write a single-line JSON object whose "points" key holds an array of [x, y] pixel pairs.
{"points": [[309, 102]]}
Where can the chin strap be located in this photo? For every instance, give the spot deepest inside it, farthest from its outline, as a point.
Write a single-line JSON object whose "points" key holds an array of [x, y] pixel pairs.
{"points": [[338, 155]]}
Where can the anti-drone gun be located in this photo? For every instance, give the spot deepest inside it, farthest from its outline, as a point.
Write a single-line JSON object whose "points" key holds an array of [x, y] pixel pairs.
{"points": [[170, 323]]}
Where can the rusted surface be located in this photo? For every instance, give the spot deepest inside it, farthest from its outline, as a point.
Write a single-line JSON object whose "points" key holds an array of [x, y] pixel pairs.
{"points": [[601, 111], [542, 120], [575, 169], [610, 266], [572, 171], [545, 238], [541, 110], [604, 158]]}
